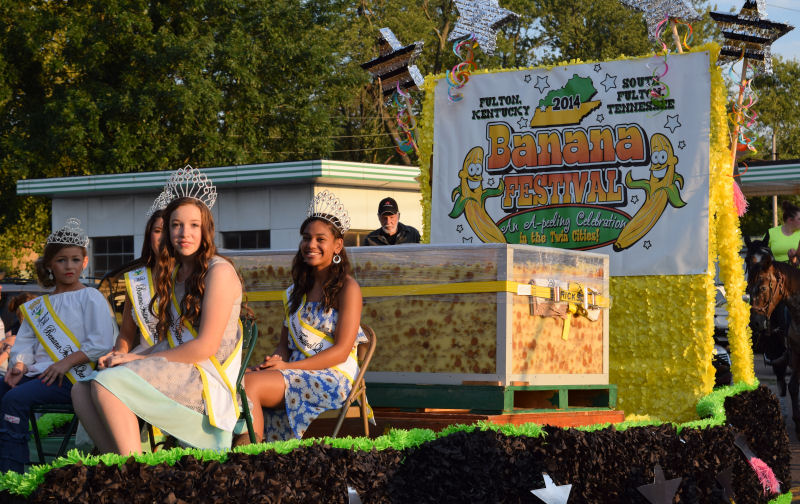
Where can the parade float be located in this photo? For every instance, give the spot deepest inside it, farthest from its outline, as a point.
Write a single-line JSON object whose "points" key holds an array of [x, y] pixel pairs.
{"points": [[576, 213]]}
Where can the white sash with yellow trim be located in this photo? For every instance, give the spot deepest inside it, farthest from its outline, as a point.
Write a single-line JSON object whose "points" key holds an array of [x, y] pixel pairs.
{"points": [[139, 285], [219, 380], [55, 337], [311, 341]]}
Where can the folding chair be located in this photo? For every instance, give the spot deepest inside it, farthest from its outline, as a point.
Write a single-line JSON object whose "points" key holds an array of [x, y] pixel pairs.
{"points": [[40, 409], [249, 338], [359, 390], [249, 343], [112, 285]]}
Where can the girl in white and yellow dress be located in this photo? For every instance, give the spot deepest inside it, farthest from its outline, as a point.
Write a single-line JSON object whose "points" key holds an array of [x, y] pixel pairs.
{"points": [[61, 336]]}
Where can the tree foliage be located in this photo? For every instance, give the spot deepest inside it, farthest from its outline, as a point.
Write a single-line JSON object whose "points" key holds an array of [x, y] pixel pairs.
{"points": [[777, 108], [114, 86]]}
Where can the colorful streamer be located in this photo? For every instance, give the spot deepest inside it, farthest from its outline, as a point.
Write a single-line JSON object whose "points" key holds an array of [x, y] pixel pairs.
{"points": [[458, 76], [688, 36], [659, 90], [741, 114], [406, 125]]}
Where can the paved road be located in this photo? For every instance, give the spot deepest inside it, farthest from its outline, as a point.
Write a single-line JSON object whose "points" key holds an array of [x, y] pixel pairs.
{"points": [[766, 377]]}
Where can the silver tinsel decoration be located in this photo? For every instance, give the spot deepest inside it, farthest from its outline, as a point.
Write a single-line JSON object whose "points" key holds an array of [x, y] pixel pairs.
{"points": [[655, 11], [552, 493], [749, 34], [482, 18], [393, 66]]}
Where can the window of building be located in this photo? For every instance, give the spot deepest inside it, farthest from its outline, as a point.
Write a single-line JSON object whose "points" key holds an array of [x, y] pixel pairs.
{"points": [[233, 240], [110, 253]]}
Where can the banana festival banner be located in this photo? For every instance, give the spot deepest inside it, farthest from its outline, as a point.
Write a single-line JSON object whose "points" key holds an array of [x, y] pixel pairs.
{"points": [[585, 157]]}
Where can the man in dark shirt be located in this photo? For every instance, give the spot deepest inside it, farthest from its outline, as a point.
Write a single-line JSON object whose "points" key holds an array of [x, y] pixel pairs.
{"points": [[392, 231]]}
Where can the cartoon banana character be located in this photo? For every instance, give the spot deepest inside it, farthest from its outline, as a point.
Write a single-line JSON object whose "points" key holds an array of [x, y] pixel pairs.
{"points": [[658, 190], [469, 198]]}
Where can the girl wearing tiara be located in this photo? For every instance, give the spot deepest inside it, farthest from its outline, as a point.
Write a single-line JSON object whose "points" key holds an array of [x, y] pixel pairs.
{"points": [[314, 364], [184, 385], [138, 331], [61, 335]]}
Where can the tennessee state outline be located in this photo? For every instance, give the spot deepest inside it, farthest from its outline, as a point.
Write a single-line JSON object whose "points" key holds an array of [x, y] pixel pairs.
{"points": [[568, 105]]}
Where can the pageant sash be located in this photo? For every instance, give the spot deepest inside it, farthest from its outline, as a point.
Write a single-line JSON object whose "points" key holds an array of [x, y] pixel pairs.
{"points": [[139, 285], [311, 341], [218, 378], [55, 337]]}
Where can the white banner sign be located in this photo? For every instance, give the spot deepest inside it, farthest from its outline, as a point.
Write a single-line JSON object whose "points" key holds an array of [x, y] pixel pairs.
{"points": [[589, 156]]}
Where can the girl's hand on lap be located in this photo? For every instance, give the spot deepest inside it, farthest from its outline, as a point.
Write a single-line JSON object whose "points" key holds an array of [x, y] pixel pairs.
{"points": [[104, 361], [13, 376], [55, 371], [273, 362], [116, 358]]}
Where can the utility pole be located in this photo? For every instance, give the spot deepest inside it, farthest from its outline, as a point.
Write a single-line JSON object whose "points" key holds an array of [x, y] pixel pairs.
{"points": [[774, 196]]}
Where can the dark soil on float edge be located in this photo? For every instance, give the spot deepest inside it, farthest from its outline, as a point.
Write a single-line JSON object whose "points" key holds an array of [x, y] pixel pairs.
{"points": [[605, 466]]}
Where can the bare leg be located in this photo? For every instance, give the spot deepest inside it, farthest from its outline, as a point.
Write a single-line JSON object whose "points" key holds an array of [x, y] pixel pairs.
{"points": [[90, 417], [122, 424], [266, 389]]}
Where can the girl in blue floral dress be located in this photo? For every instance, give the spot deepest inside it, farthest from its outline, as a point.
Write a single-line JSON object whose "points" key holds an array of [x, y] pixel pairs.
{"points": [[314, 365]]}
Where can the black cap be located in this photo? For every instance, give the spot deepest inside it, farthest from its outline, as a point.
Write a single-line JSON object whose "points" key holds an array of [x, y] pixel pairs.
{"points": [[387, 205]]}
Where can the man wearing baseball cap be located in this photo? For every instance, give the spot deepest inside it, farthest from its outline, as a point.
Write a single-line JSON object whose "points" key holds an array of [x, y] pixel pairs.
{"points": [[392, 231]]}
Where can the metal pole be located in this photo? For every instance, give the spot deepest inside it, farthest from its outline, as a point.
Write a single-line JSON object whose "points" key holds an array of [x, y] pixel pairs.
{"points": [[774, 196]]}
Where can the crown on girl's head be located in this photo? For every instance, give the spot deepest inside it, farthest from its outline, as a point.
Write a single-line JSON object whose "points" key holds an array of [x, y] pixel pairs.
{"points": [[71, 234], [191, 183], [160, 202], [327, 206]]}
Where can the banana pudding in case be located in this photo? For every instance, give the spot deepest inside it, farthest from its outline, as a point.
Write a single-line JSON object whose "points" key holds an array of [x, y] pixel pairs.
{"points": [[454, 314]]}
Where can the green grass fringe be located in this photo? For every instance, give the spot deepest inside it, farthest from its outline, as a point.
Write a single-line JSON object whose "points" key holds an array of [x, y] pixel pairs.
{"points": [[710, 408], [51, 421], [782, 499]]}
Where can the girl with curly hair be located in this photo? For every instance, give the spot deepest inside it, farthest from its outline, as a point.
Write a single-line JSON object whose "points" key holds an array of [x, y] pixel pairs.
{"points": [[184, 385], [313, 367]]}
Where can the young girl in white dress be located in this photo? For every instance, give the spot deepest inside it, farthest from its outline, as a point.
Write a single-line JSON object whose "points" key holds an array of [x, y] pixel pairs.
{"points": [[61, 336], [184, 385], [314, 365]]}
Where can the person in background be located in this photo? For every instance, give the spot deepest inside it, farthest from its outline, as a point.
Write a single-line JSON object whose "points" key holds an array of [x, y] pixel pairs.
{"points": [[2, 327], [63, 333], [11, 335], [392, 231], [783, 241]]}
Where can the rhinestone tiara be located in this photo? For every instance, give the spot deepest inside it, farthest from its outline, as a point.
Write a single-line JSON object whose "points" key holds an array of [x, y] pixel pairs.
{"points": [[160, 203], [191, 183], [327, 206], [70, 234]]}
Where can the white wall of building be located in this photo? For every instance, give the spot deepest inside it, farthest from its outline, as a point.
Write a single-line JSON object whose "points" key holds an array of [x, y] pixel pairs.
{"points": [[278, 208]]}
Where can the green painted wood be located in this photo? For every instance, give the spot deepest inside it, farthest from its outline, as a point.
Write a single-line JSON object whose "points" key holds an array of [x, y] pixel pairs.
{"points": [[489, 399]]}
